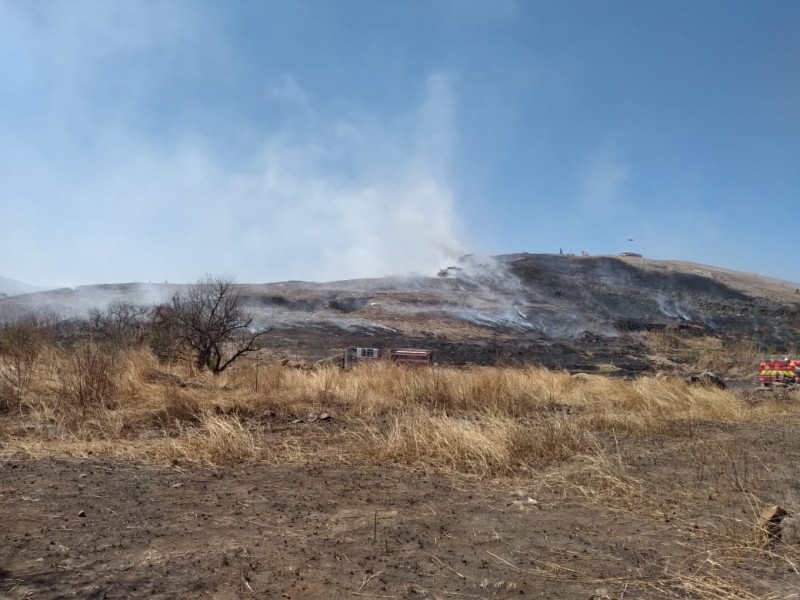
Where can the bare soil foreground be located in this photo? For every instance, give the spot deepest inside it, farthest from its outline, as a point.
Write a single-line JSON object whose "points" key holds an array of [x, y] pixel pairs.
{"points": [[655, 517]]}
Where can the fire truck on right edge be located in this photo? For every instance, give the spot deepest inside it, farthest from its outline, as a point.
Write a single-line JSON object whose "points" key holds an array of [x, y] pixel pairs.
{"points": [[780, 372]]}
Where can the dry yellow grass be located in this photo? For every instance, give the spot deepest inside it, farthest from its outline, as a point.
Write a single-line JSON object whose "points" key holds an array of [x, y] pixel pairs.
{"points": [[483, 421], [482, 445], [731, 358]]}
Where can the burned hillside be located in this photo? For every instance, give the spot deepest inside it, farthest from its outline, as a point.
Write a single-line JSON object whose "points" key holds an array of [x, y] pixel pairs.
{"points": [[579, 313]]}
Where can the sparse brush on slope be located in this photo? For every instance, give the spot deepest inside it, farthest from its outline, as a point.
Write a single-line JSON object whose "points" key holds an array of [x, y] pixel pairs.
{"points": [[731, 357], [88, 378], [21, 344]]}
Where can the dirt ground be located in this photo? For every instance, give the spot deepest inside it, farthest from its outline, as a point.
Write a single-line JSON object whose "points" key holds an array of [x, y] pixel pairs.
{"points": [[675, 524]]}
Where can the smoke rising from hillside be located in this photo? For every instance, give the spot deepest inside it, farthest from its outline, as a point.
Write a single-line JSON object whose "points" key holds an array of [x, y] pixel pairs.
{"points": [[330, 195], [672, 309], [76, 303], [499, 298]]}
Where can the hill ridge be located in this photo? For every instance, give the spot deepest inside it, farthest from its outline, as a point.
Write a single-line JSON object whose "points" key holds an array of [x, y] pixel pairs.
{"points": [[539, 308]]}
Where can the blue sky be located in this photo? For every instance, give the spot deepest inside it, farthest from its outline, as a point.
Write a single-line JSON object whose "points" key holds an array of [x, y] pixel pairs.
{"points": [[273, 140]]}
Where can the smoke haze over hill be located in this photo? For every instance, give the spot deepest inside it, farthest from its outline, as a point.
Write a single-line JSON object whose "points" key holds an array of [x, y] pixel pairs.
{"points": [[325, 198], [11, 287], [554, 310]]}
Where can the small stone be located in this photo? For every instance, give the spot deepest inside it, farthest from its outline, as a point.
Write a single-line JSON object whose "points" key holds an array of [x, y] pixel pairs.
{"points": [[790, 530], [773, 513], [581, 376], [600, 594], [769, 523], [706, 379], [324, 417], [82, 513], [176, 485]]}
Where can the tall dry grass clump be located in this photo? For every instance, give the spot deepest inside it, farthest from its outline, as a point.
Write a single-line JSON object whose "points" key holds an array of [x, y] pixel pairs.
{"points": [[650, 405], [21, 345], [372, 390], [520, 393], [216, 440], [88, 377], [496, 421], [483, 445]]}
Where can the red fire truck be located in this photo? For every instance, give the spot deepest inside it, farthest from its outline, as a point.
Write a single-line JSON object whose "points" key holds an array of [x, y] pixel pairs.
{"points": [[779, 372], [401, 356]]}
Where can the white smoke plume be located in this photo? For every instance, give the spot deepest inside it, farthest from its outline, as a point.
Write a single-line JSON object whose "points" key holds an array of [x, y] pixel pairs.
{"points": [[672, 309], [499, 298], [328, 196]]}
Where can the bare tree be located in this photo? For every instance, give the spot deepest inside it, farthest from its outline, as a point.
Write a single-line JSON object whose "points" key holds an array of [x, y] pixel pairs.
{"points": [[209, 321], [120, 323]]}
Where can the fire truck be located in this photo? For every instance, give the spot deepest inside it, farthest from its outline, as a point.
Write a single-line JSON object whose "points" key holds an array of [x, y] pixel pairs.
{"points": [[401, 356], [779, 372]]}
